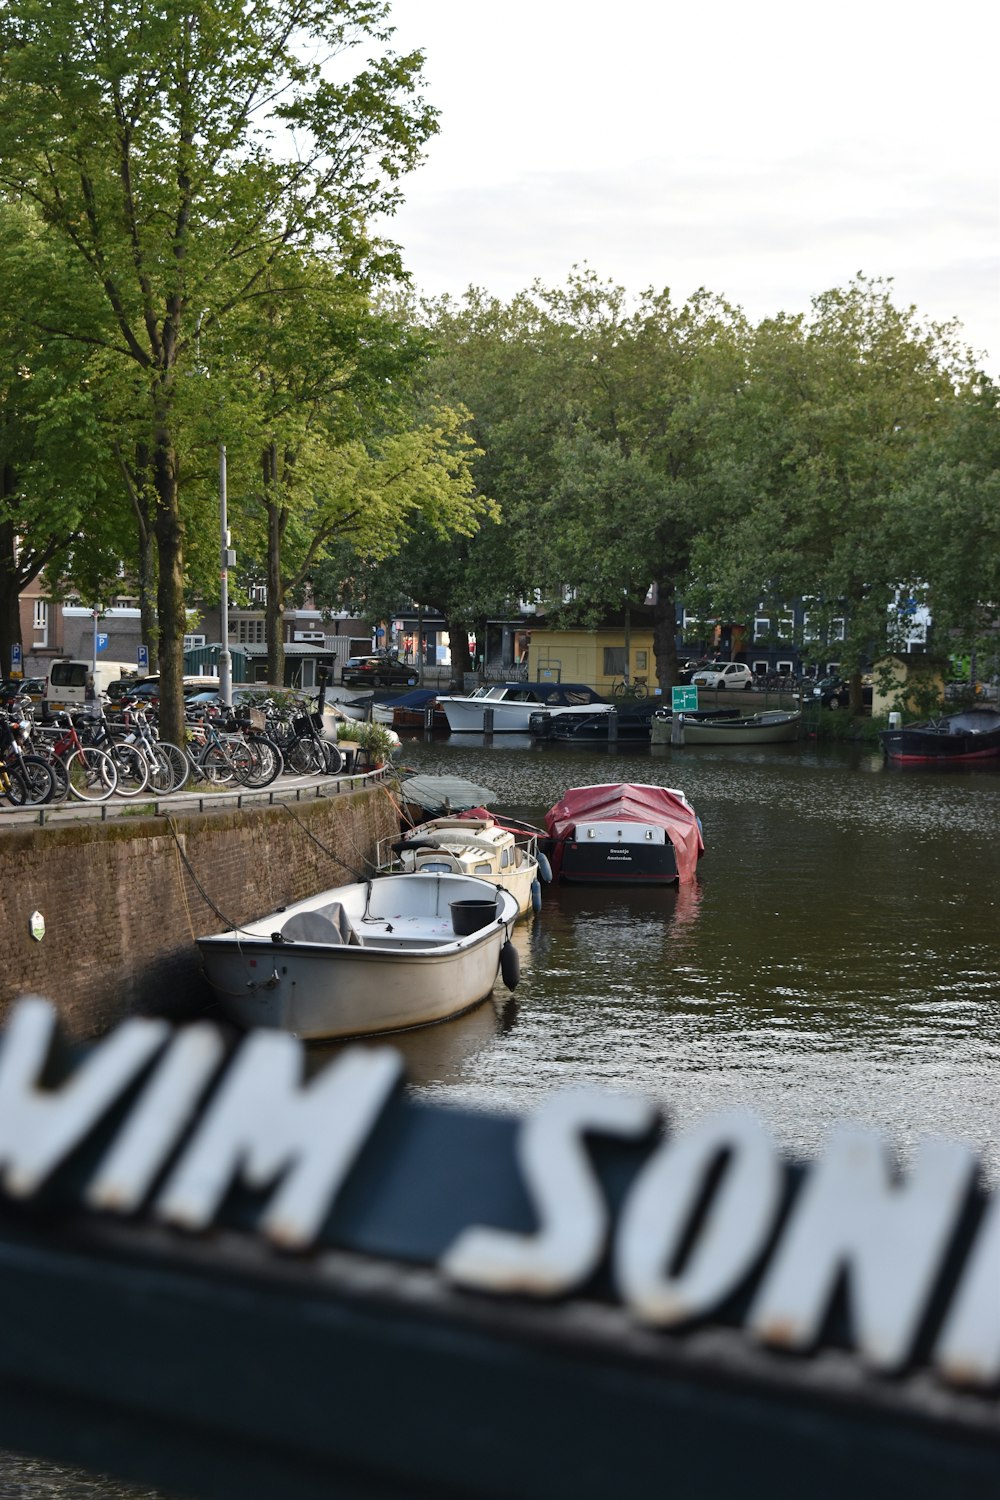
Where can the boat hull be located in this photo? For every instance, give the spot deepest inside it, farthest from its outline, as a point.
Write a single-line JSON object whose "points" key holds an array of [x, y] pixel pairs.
{"points": [[754, 729], [959, 739], [403, 966], [618, 863]]}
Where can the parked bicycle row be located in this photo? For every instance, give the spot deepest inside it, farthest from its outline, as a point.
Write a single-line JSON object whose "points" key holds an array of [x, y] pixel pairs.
{"points": [[93, 757]]}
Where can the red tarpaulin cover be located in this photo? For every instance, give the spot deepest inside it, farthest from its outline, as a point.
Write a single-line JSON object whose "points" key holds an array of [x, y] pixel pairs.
{"points": [[635, 803]]}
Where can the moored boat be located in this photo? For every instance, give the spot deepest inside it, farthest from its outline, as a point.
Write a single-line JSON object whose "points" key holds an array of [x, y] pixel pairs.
{"points": [[618, 833], [972, 735], [466, 845], [378, 955], [507, 707], [584, 726], [772, 727], [417, 709]]}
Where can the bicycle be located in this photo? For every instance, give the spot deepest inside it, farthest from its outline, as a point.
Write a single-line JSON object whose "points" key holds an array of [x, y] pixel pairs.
{"points": [[90, 774], [25, 780], [131, 764], [245, 756], [309, 751], [169, 766], [630, 688]]}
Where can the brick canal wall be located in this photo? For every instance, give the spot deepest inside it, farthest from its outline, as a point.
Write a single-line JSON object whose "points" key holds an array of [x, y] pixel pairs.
{"points": [[123, 901]]}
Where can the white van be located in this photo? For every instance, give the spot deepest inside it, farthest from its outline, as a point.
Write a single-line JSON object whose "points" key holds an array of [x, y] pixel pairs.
{"points": [[67, 683]]}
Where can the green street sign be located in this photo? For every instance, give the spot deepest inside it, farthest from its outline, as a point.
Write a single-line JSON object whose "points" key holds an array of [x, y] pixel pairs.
{"points": [[684, 699]]}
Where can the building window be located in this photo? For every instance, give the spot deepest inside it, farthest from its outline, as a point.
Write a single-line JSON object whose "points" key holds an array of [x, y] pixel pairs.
{"points": [[41, 615], [614, 661], [250, 632], [258, 593], [761, 627], [192, 642], [786, 626], [642, 661]]}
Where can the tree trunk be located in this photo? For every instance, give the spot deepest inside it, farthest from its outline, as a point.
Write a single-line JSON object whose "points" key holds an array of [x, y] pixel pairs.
{"points": [[10, 596], [458, 640], [169, 531], [665, 634], [148, 620]]}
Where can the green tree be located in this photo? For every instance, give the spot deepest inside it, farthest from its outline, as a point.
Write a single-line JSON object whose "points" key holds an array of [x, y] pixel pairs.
{"points": [[825, 432], [648, 388], [57, 480], [179, 152], [947, 519]]}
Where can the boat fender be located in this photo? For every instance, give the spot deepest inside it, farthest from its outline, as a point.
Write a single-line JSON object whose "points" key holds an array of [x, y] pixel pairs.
{"points": [[536, 896], [544, 868], [510, 965]]}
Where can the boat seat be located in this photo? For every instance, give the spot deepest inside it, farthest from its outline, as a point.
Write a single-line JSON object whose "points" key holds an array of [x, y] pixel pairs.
{"points": [[330, 927]]}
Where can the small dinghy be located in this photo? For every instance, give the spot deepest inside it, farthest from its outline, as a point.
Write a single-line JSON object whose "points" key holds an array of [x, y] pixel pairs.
{"points": [[379, 955]]}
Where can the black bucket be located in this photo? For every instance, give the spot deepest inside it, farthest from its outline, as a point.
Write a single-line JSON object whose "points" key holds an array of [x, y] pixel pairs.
{"points": [[469, 916]]}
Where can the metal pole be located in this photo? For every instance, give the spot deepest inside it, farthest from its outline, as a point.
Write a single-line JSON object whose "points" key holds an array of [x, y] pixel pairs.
{"points": [[225, 657]]}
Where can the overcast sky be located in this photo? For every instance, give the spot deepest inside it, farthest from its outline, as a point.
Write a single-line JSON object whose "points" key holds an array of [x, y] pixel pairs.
{"points": [[766, 151]]}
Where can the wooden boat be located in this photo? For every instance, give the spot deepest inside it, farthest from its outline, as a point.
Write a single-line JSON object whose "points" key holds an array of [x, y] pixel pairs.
{"points": [[619, 833], [507, 707], [466, 845], [772, 727], [378, 955], [954, 739]]}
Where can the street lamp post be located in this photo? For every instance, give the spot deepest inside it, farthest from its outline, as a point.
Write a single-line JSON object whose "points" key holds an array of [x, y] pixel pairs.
{"points": [[228, 560]]}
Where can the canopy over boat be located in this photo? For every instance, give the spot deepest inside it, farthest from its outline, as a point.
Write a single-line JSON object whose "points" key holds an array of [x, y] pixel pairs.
{"points": [[636, 803], [439, 794]]}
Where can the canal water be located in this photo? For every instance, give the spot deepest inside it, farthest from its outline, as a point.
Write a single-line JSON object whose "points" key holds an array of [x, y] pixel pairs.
{"points": [[838, 958]]}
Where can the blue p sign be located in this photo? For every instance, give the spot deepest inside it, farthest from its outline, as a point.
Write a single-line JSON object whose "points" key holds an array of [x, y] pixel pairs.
{"points": [[142, 656]]}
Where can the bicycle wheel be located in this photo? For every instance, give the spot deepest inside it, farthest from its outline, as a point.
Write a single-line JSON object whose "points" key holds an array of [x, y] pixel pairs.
{"points": [[179, 767], [92, 775], [60, 776], [31, 782], [303, 757], [216, 765], [132, 769], [619, 689], [640, 690], [334, 759], [267, 762]]}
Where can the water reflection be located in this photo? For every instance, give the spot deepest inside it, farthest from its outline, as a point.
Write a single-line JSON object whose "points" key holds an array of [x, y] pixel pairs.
{"points": [[838, 957]]}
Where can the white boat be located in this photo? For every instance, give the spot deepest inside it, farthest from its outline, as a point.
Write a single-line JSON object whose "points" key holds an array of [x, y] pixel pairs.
{"points": [[378, 955], [479, 847], [507, 707]]}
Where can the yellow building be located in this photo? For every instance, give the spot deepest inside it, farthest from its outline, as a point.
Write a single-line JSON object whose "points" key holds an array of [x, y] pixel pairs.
{"points": [[909, 682], [596, 657]]}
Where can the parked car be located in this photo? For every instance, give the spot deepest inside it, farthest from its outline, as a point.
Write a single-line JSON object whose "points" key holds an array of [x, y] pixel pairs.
{"points": [[834, 691], [377, 671], [16, 687], [687, 669], [724, 674]]}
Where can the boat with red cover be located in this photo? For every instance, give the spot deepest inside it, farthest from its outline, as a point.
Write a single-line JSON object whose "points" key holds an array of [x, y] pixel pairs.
{"points": [[954, 739], [624, 833]]}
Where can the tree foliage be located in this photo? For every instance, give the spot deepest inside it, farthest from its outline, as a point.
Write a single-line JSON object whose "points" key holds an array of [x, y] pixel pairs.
{"points": [[179, 153]]}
